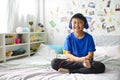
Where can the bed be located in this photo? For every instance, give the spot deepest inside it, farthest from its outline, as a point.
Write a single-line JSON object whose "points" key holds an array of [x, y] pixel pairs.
{"points": [[37, 67]]}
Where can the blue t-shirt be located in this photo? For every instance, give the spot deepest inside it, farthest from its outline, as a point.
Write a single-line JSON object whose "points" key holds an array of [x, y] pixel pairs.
{"points": [[79, 47]]}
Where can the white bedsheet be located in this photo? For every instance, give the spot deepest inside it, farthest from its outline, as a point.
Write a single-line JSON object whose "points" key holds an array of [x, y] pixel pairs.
{"points": [[38, 68]]}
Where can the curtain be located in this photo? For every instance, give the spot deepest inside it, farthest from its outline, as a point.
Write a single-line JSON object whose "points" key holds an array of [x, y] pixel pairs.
{"points": [[21, 12], [3, 16]]}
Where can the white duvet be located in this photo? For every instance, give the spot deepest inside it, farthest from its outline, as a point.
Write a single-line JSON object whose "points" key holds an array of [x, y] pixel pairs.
{"points": [[37, 67]]}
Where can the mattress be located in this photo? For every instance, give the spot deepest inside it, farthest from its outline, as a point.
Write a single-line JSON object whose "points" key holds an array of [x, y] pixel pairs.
{"points": [[37, 67]]}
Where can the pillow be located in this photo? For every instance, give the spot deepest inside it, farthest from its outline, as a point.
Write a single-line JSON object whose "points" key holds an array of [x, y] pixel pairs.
{"points": [[100, 51], [64, 51], [57, 48], [110, 51], [113, 51], [106, 40], [46, 52]]}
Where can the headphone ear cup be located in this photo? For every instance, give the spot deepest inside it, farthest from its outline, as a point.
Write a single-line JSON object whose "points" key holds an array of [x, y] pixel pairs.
{"points": [[70, 25], [86, 26]]}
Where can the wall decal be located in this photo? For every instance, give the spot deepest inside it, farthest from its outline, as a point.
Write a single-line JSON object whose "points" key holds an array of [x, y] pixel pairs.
{"points": [[52, 23], [91, 28], [110, 19], [108, 4], [118, 22], [57, 30], [111, 28], [73, 2], [57, 10], [70, 12], [101, 13], [92, 23], [63, 19], [91, 13], [91, 5], [111, 11], [89, 19], [83, 5], [98, 27], [104, 26], [102, 19], [117, 7], [105, 11], [86, 11]]}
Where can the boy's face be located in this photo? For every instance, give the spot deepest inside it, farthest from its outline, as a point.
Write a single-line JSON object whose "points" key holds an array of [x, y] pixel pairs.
{"points": [[77, 25]]}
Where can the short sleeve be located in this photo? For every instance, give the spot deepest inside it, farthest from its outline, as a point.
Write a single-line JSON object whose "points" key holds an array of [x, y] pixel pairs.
{"points": [[67, 44], [91, 45]]}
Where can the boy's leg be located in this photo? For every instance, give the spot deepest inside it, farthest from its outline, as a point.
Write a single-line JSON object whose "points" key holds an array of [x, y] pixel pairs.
{"points": [[56, 62], [96, 67], [62, 63]]}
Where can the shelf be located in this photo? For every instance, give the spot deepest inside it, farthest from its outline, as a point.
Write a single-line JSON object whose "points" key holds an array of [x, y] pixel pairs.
{"points": [[32, 52], [11, 57], [1, 59], [17, 33], [8, 44], [37, 42], [37, 32], [16, 45]]}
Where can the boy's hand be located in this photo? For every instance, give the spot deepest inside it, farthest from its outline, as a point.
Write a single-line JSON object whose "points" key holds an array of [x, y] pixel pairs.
{"points": [[86, 63]]}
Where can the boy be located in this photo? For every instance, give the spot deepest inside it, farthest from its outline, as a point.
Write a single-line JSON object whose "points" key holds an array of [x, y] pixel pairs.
{"points": [[80, 48]]}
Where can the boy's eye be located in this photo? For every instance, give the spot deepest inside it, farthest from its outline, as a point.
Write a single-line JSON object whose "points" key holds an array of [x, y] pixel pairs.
{"points": [[73, 22], [77, 22]]}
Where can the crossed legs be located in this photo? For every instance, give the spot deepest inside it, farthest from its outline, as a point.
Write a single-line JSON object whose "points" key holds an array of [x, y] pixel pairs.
{"points": [[62, 65]]}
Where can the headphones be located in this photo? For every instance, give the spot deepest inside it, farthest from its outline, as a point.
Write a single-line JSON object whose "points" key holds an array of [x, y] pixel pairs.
{"points": [[86, 26]]}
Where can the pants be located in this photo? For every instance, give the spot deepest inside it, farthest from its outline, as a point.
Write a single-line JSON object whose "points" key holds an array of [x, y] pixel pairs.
{"points": [[77, 67]]}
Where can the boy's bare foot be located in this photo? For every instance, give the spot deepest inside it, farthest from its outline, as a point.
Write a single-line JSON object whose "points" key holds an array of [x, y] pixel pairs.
{"points": [[87, 64], [63, 70]]}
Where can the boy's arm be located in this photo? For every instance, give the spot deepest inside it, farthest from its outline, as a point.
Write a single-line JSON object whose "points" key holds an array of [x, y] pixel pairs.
{"points": [[71, 57], [89, 56]]}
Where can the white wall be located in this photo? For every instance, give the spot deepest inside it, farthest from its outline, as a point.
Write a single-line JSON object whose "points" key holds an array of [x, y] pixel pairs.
{"points": [[59, 12]]}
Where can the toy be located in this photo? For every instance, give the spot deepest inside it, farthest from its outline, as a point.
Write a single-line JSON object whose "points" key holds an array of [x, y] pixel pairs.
{"points": [[40, 27], [22, 29], [25, 29], [31, 26], [19, 29]]}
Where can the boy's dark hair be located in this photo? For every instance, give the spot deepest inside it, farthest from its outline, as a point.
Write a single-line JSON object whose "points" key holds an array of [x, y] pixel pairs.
{"points": [[81, 17]]}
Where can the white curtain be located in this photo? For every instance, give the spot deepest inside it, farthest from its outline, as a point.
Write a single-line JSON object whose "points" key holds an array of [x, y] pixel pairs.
{"points": [[22, 11], [3, 16]]}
